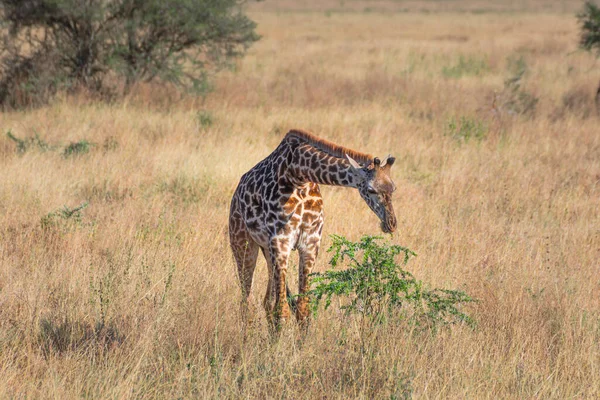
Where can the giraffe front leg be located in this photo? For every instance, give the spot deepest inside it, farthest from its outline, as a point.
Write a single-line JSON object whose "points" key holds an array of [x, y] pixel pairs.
{"points": [[277, 305], [308, 257]]}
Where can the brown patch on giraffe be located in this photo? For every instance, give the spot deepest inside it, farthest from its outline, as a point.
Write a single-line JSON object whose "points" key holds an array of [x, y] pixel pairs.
{"points": [[290, 205], [313, 204], [309, 218]]}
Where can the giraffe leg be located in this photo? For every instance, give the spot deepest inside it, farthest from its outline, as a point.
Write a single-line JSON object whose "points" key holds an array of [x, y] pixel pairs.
{"points": [[270, 296], [276, 304], [308, 256], [245, 251]]}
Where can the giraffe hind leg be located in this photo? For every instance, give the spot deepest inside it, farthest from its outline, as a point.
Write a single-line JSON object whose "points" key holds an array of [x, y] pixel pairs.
{"points": [[291, 299], [269, 300], [245, 252]]}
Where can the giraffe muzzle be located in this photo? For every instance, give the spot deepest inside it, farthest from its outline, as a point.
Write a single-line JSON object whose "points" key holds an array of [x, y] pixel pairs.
{"points": [[389, 225]]}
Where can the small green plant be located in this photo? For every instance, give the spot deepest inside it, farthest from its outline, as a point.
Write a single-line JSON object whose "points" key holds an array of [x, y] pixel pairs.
{"points": [[403, 388], [77, 148], [33, 142], [517, 101], [205, 119], [414, 61], [110, 144], [72, 215], [466, 66], [60, 334], [378, 289], [465, 129], [168, 282], [103, 291]]}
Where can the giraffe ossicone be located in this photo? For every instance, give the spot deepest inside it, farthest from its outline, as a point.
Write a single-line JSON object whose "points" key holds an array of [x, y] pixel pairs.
{"points": [[277, 207]]}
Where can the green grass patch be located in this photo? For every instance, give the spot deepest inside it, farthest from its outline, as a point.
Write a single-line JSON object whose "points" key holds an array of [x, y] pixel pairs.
{"points": [[466, 66]]}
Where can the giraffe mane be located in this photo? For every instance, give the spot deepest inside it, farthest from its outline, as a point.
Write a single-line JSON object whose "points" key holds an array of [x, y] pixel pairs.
{"points": [[330, 147]]}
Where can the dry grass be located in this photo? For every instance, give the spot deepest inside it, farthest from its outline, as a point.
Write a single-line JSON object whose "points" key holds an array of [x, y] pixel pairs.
{"points": [[138, 298]]}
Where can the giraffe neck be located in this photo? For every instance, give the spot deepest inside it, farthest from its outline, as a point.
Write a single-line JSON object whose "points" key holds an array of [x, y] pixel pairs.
{"points": [[311, 164]]}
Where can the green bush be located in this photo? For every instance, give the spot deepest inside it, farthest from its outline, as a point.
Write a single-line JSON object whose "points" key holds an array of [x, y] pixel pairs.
{"points": [[52, 45], [33, 142], [68, 216], [517, 100], [465, 129], [378, 289], [77, 148], [205, 118], [72, 149], [466, 66], [589, 19]]}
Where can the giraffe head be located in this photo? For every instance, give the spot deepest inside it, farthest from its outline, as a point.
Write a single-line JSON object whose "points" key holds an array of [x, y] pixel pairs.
{"points": [[376, 187]]}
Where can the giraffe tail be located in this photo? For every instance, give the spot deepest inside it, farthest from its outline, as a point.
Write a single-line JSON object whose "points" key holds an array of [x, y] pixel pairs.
{"points": [[292, 300]]}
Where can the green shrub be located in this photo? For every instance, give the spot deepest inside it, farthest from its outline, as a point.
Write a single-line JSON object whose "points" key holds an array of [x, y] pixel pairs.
{"points": [[589, 18], [77, 148], [515, 99], [33, 142], [50, 45], [72, 149], [466, 66], [465, 129], [378, 289], [110, 144], [69, 216], [205, 118]]}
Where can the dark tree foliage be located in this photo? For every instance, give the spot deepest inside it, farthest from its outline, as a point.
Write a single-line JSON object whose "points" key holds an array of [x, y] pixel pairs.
{"points": [[49, 45], [589, 18]]}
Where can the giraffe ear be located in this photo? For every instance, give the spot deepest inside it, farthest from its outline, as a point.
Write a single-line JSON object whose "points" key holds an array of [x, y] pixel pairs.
{"points": [[356, 168], [388, 162], [353, 162]]}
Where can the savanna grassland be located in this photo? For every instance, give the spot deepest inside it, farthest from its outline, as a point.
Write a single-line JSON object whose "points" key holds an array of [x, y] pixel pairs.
{"points": [[488, 107]]}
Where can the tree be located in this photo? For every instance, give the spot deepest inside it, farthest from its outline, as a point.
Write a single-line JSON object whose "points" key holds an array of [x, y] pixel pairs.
{"points": [[49, 45], [589, 18]]}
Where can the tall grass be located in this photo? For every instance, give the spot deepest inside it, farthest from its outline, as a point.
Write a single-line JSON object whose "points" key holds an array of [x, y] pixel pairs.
{"points": [[135, 295]]}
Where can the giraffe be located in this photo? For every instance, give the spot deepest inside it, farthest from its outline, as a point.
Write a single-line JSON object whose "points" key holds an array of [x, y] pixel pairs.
{"points": [[277, 207]]}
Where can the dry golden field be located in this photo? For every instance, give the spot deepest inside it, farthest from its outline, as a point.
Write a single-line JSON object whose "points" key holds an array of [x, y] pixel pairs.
{"points": [[137, 296]]}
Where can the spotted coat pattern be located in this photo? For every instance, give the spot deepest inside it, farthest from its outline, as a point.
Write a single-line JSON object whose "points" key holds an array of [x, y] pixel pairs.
{"points": [[277, 207]]}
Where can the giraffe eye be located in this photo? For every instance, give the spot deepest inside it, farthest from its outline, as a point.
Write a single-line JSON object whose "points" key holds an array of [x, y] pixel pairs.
{"points": [[371, 190]]}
